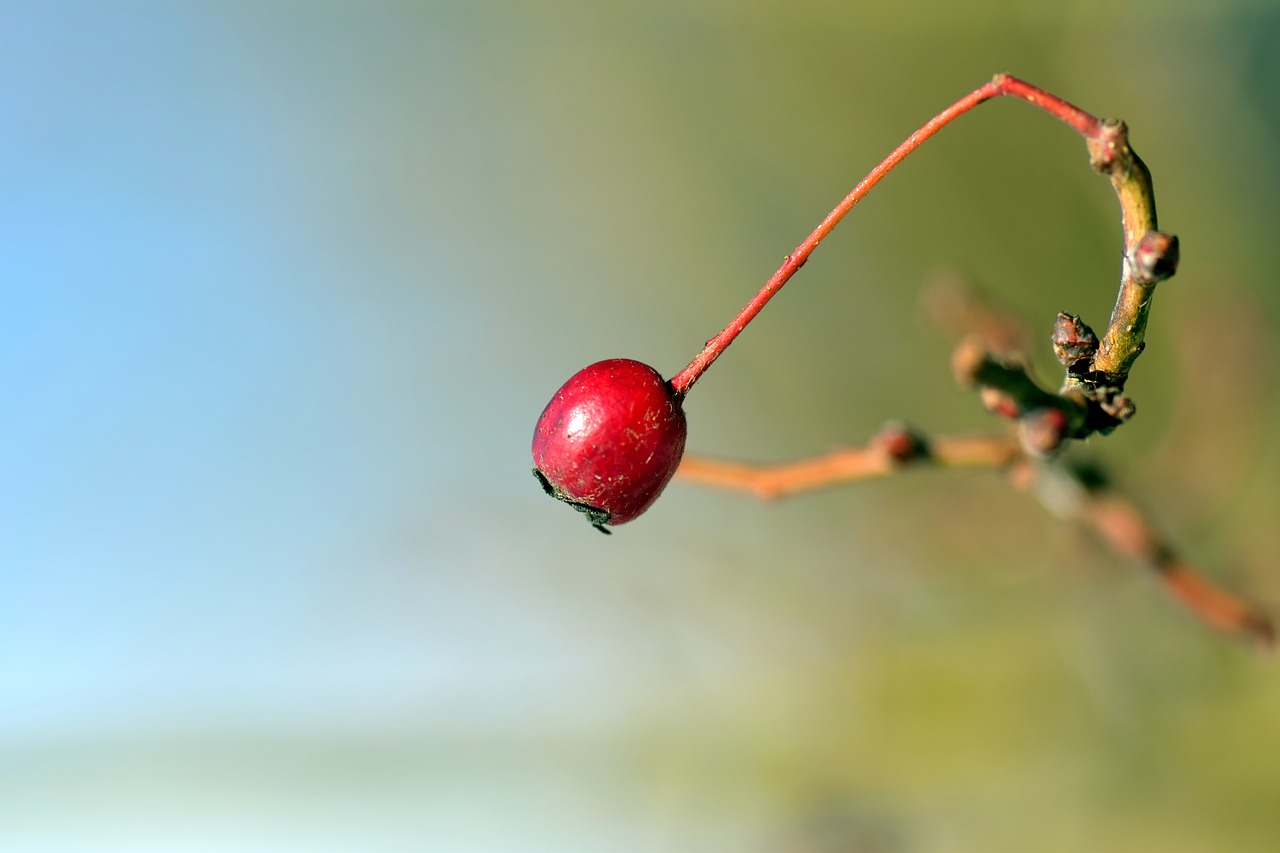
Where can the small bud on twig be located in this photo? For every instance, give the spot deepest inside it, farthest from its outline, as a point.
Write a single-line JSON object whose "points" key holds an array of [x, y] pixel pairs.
{"points": [[901, 443], [1119, 407], [1044, 431], [1073, 339], [999, 403], [1155, 258]]}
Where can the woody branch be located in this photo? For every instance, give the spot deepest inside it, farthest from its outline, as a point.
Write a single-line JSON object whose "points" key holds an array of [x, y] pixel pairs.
{"points": [[990, 359]]}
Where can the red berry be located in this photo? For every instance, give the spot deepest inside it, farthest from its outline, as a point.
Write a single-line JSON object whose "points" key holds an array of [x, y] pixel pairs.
{"points": [[610, 440]]}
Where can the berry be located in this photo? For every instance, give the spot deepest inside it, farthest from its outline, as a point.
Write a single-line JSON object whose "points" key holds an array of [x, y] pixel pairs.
{"points": [[610, 440]]}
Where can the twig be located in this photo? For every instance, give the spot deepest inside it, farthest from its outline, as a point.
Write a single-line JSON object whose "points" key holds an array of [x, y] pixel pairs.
{"points": [[893, 449], [1111, 517], [1149, 255], [1117, 521]]}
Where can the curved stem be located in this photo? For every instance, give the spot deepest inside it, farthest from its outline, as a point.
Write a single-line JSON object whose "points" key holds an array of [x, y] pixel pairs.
{"points": [[1002, 84]]}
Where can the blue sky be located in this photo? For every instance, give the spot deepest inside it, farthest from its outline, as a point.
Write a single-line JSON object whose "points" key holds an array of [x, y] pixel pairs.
{"points": [[213, 365]]}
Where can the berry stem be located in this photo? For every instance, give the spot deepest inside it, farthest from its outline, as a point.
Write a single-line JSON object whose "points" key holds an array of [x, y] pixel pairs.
{"points": [[1084, 123]]}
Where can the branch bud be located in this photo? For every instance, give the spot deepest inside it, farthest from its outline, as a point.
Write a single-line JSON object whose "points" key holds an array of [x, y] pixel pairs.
{"points": [[1073, 340], [1044, 431], [1155, 258], [901, 443], [999, 403], [1119, 407]]}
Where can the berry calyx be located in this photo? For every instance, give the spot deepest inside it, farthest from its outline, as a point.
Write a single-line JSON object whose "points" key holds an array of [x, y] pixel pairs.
{"points": [[610, 440]]}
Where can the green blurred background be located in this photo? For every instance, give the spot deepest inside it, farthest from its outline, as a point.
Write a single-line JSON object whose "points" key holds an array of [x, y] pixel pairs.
{"points": [[285, 286]]}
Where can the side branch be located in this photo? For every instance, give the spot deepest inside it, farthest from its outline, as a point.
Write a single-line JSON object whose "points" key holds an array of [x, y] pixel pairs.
{"points": [[1046, 420], [893, 449], [1114, 519], [1121, 525]]}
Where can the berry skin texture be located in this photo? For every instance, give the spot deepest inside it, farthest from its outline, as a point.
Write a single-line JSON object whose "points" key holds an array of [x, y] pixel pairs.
{"points": [[610, 440]]}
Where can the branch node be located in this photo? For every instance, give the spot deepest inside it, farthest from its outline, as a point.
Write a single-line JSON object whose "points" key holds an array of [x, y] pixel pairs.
{"points": [[1109, 147]]}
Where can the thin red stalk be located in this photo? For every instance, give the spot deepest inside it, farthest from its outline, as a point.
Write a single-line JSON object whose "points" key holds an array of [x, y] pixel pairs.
{"points": [[1003, 84]]}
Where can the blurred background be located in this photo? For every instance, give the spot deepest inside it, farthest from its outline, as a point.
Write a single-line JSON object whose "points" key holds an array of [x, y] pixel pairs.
{"points": [[284, 286]]}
